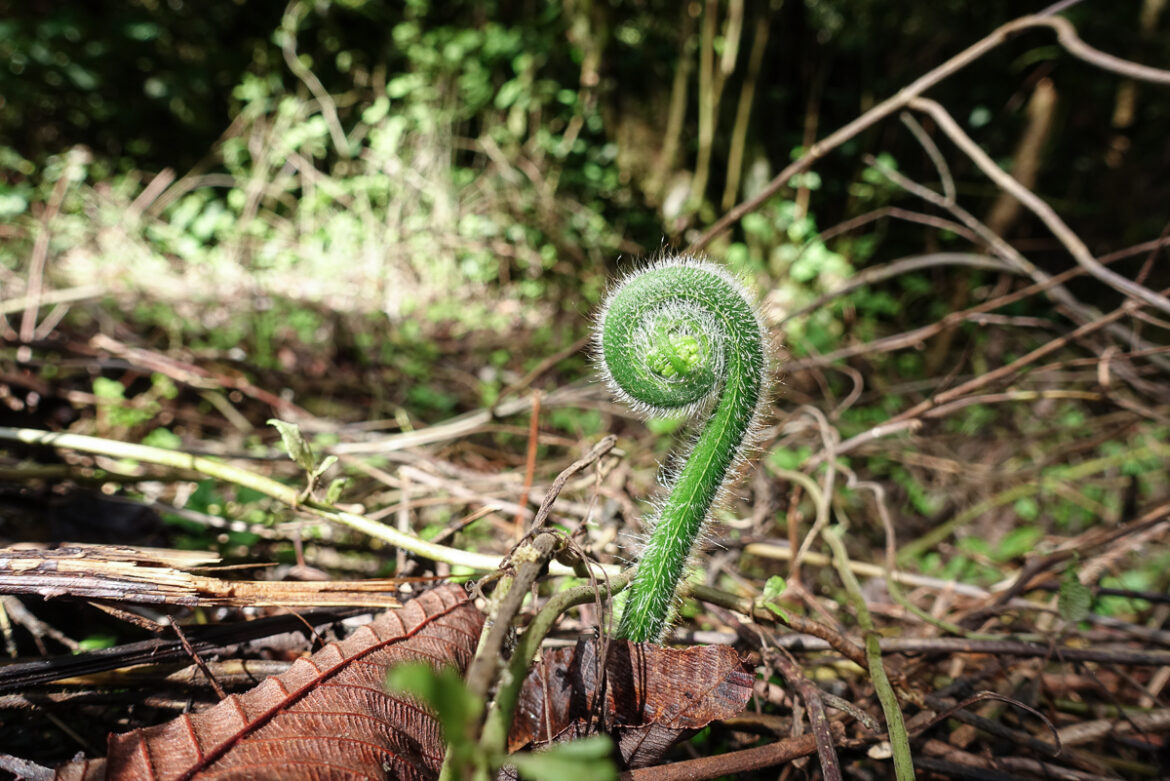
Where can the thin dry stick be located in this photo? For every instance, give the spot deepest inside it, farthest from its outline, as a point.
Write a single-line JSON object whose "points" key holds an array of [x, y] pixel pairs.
{"points": [[995, 243], [1067, 36], [1079, 313], [743, 112], [265, 485], [894, 268], [676, 113], [52, 297], [893, 212], [890, 560], [1010, 396], [953, 645], [729, 764], [49, 323], [829, 438], [822, 513], [917, 336], [22, 768], [403, 516], [457, 526], [544, 366], [932, 151], [1105, 561], [809, 692], [461, 488], [191, 652], [865, 569], [40, 255], [597, 451], [712, 76], [458, 426], [818, 720], [529, 461], [805, 626], [898, 267], [161, 181]]}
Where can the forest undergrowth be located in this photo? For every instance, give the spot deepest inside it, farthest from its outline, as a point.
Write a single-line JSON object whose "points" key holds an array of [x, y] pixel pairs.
{"points": [[948, 555]]}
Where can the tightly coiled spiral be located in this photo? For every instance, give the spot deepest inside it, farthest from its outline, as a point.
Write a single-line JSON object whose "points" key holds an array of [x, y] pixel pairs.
{"points": [[682, 337]]}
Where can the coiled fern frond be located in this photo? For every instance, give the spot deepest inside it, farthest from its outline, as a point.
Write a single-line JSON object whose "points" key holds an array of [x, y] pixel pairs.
{"points": [[682, 337]]}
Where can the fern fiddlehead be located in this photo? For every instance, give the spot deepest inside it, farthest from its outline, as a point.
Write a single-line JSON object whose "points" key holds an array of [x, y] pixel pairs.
{"points": [[682, 337]]}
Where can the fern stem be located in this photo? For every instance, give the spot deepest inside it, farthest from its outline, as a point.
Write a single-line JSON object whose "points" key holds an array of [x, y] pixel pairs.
{"points": [[682, 337]]}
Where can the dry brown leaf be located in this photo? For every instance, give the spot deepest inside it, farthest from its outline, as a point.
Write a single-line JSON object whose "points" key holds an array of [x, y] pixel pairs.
{"points": [[653, 696], [328, 717]]}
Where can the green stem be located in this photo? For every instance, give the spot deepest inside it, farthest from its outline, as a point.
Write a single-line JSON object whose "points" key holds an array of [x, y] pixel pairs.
{"points": [[895, 724], [682, 337], [494, 738]]}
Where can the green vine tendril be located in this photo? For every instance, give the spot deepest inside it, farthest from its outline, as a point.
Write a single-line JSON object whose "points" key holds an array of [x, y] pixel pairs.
{"points": [[682, 337]]}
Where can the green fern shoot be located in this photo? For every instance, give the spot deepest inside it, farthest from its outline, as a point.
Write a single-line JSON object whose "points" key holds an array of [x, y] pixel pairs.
{"points": [[682, 337]]}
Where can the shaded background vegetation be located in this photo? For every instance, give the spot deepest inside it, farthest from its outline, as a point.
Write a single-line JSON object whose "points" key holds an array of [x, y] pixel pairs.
{"points": [[527, 137], [389, 213]]}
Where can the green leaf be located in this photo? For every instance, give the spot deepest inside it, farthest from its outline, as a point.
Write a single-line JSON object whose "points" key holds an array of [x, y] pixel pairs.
{"points": [[444, 692], [164, 386], [333, 492], [323, 467], [508, 93], [294, 443], [662, 426], [96, 642], [164, 438], [1075, 600], [1027, 508], [105, 388], [790, 458], [401, 86], [773, 588], [587, 759], [1017, 542], [12, 204], [374, 113]]}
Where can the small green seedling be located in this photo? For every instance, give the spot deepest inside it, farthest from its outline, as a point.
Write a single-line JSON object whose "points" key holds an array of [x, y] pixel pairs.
{"points": [[773, 588], [301, 452]]}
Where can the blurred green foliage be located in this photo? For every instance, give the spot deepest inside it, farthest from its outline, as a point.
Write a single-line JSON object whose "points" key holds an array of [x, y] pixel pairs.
{"points": [[526, 108]]}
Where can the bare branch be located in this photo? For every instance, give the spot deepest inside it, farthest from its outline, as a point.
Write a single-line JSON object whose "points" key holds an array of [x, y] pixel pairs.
{"points": [[1067, 36], [1037, 206]]}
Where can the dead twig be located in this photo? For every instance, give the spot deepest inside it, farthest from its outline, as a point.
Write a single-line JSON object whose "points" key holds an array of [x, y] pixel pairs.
{"points": [[1037, 206]]}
